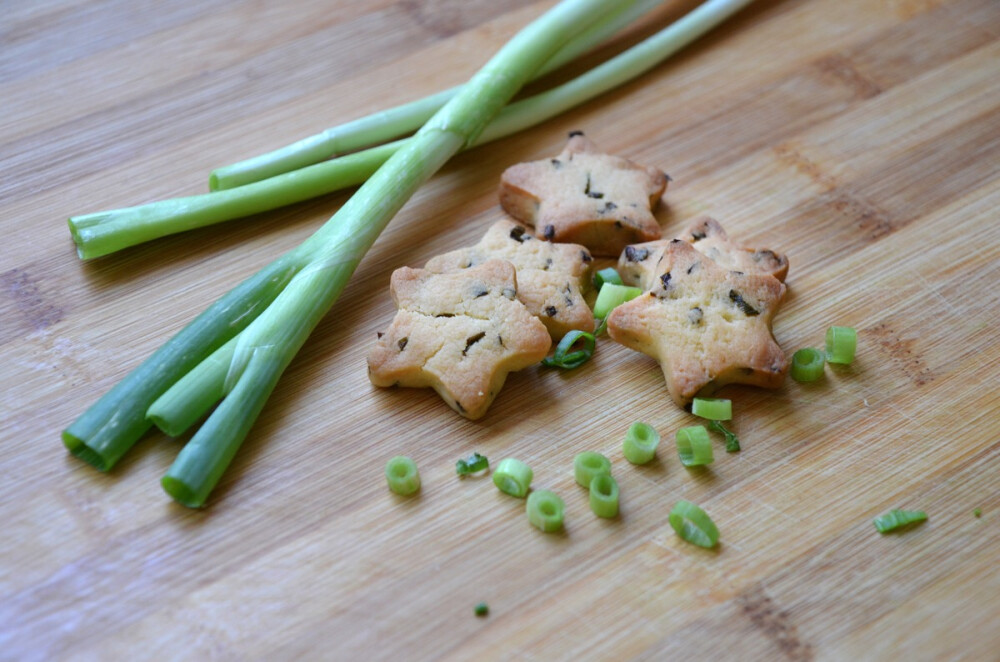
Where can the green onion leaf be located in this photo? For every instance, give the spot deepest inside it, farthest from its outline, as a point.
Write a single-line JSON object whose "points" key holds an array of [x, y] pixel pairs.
{"points": [[841, 342], [608, 275], [604, 496], [545, 510], [807, 365], [640, 444], [402, 476], [513, 477], [567, 360], [611, 296], [602, 326], [898, 519], [586, 465], [694, 525], [472, 464], [732, 441], [482, 609], [694, 446], [716, 409]]}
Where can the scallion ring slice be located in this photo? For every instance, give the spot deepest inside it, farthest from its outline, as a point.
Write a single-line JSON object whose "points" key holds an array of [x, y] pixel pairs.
{"points": [[586, 465], [608, 275], [898, 519], [715, 409], [694, 525], [841, 342], [611, 296], [545, 510], [604, 496], [567, 360], [513, 477], [694, 446], [402, 476], [807, 364], [472, 464], [640, 444]]}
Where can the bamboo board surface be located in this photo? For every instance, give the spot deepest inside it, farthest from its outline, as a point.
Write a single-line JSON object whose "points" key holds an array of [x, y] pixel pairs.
{"points": [[860, 137]]}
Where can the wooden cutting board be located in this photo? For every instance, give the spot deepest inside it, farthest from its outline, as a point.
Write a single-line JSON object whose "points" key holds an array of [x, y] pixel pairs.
{"points": [[860, 137]]}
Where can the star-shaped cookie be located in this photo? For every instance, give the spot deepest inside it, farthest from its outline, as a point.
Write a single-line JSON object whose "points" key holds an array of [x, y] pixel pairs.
{"points": [[550, 277], [707, 325], [585, 197], [640, 264], [459, 333]]}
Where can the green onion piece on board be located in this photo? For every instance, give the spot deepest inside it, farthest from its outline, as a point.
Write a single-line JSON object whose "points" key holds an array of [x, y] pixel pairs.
{"points": [[513, 477], [604, 496], [402, 476], [716, 409], [608, 275], [732, 441], [807, 365], [611, 296], [472, 464], [602, 326], [694, 446], [898, 519], [567, 360], [977, 512], [586, 465], [841, 342], [545, 510], [640, 444], [694, 525], [482, 609]]}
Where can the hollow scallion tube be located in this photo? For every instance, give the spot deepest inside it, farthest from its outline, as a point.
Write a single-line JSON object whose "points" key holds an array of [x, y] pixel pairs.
{"points": [[611, 296], [402, 476], [715, 409], [604, 496], [895, 520], [807, 364], [640, 443], [566, 359], [694, 446], [609, 275], [588, 464], [841, 343], [545, 510], [513, 477], [694, 525], [472, 464]]}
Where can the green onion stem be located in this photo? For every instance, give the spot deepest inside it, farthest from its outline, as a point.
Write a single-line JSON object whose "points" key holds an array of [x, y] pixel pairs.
{"points": [[102, 233], [273, 312], [715, 409], [402, 476], [567, 360], [640, 443], [807, 364], [513, 477], [609, 275], [545, 510], [587, 465], [694, 446], [693, 524], [841, 343], [611, 296], [895, 520], [472, 464], [732, 441], [604, 496]]}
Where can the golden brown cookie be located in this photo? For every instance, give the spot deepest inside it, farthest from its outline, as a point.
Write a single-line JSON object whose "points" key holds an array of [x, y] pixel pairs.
{"points": [[707, 326], [459, 333], [585, 197], [550, 277]]}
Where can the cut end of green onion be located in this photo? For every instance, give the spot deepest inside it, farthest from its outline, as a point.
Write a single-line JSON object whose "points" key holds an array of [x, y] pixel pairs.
{"points": [[694, 446], [182, 493], [807, 364], [894, 520], [402, 476], [715, 409], [841, 343], [640, 443], [587, 465], [80, 449], [604, 496], [472, 464], [732, 442], [482, 609], [545, 510], [611, 296], [513, 477], [694, 525], [608, 275], [567, 360]]}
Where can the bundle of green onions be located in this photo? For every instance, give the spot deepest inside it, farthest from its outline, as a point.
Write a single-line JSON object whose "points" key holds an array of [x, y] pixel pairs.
{"points": [[235, 351]]}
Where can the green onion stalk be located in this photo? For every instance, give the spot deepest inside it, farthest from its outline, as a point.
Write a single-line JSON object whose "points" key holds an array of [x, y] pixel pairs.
{"points": [[245, 340], [105, 232]]}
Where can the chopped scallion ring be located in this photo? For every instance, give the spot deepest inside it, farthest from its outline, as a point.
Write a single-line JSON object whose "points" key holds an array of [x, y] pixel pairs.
{"points": [[472, 464], [640, 444], [604, 496], [694, 446], [563, 358], [611, 296], [716, 409], [586, 465], [513, 477], [841, 342], [608, 275], [402, 476], [807, 364], [732, 441], [694, 525], [898, 519], [545, 510]]}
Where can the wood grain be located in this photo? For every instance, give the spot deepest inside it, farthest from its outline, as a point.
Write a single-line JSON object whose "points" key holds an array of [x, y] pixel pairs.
{"points": [[861, 138]]}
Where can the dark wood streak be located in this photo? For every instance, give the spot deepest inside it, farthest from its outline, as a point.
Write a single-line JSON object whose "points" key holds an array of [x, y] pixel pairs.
{"points": [[775, 623]]}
